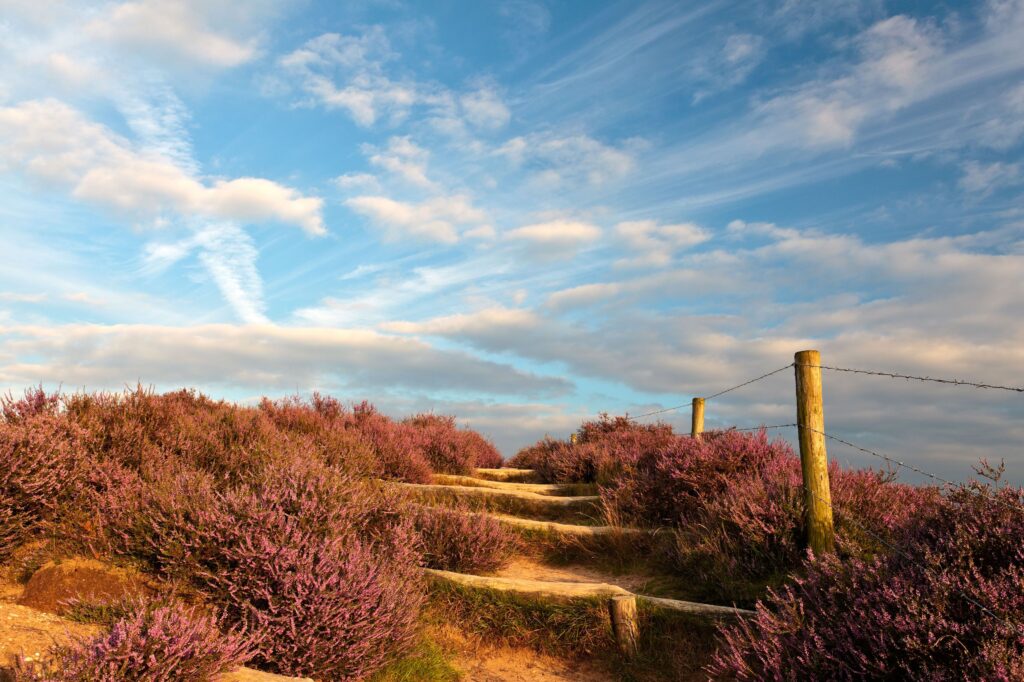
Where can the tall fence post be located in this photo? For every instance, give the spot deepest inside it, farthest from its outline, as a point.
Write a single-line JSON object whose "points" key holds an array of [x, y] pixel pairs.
{"points": [[697, 421], [810, 417]]}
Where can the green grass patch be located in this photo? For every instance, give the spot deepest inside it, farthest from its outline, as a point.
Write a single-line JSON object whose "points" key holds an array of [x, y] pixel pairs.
{"points": [[427, 662], [585, 512], [567, 627]]}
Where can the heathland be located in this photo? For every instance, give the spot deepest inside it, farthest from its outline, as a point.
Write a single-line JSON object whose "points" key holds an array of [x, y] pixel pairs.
{"points": [[162, 537]]}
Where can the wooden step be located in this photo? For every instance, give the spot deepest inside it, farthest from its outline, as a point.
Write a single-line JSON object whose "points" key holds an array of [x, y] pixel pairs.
{"points": [[552, 489], [508, 475], [565, 528], [585, 509], [584, 590]]}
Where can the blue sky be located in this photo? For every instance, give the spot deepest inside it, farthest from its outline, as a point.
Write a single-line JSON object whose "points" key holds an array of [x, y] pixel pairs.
{"points": [[524, 212]]}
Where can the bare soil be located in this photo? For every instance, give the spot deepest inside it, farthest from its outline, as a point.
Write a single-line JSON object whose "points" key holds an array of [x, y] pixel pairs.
{"points": [[482, 662], [529, 569], [56, 583]]}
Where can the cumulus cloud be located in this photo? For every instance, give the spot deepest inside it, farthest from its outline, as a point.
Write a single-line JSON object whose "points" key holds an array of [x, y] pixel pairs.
{"points": [[559, 235], [954, 299], [483, 108], [176, 28], [352, 73], [347, 72], [54, 143], [404, 159], [898, 57], [577, 158], [657, 244], [258, 357], [434, 219]]}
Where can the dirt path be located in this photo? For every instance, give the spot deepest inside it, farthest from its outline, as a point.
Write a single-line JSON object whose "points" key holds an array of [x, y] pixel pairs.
{"points": [[530, 569], [481, 662]]}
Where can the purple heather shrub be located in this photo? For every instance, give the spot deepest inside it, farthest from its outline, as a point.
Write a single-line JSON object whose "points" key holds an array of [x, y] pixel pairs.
{"points": [[944, 602], [43, 462], [483, 453], [441, 445], [603, 448], [34, 402], [451, 450], [329, 601], [162, 643], [397, 447], [320, 564], [737, 501], [457, 540], [531, 456]]}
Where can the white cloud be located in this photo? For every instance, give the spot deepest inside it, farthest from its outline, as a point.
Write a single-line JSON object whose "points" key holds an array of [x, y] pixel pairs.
{"points": [[361, 181], [494, 321], [434, 219], [54, 143], [259, 356], [984, 178], [898, 57], [484, 109], [1003, 124], [657, 244], [18, 297], [578, 157], [559, 235], [485, 232], [402, 158], [738, 57], [347, 72], [176, 28]]}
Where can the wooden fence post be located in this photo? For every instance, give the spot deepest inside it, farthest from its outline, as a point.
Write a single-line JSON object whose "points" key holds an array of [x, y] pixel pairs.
{"points": [[697, 422], [810, 417], [625, 623]]}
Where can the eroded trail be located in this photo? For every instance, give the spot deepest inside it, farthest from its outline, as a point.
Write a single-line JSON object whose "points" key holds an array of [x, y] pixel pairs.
{"points": [[567, 555]]}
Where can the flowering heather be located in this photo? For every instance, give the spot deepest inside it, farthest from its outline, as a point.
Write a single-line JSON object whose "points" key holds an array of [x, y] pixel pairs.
{"points": [[320, 564], [456, 540], [947, 605], [397, 447], [43, 463], [149, 644], [602, 448]]}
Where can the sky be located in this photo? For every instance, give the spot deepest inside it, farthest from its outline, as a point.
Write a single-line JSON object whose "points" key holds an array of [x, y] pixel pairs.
{"points": [[525, 212]]}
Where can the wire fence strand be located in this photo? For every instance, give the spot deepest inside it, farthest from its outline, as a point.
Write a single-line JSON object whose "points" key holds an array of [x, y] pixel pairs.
{"points": [[758, 428], [911, 467], [896, 375], [747, 383]]}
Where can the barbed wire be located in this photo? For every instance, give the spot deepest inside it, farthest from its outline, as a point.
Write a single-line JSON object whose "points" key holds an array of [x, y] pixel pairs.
{"points": [[648, 414], [911, 467], [747, 383], [758, 428], [715, 395], [885, 543], [895, 375]]}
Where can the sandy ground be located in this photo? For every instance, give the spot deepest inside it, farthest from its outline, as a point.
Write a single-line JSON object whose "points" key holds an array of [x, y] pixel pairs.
{"points": [[482, 662], [523, 567]]}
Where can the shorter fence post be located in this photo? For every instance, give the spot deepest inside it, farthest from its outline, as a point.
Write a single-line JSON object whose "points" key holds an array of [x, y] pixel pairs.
{"points": [[810, 417], [697, 423], [625, 623]]}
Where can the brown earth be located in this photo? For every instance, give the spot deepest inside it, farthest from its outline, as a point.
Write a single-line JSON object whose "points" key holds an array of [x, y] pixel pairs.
{"points": [[530, 569], [87, 580], [482, 662], [30, 632]]}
